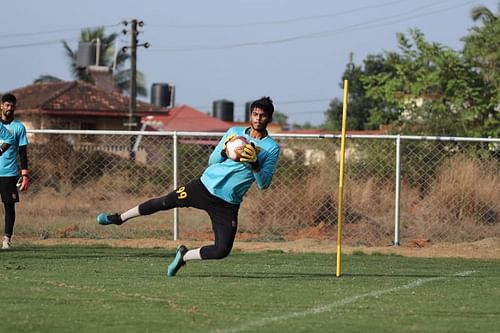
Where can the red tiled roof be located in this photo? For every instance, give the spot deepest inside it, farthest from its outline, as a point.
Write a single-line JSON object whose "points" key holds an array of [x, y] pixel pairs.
{"points": [[76, 97], [186, 118]]}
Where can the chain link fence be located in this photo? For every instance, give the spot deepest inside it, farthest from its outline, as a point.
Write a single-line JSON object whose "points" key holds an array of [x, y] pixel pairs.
{"points": [[448, 189]]}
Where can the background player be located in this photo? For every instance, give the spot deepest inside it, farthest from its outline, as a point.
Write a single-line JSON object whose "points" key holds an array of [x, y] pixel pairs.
{"points": [[9, 169]]}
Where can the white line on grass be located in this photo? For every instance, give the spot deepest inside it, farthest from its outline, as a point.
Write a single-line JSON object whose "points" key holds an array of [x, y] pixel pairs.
{"points": [[328, 307]]}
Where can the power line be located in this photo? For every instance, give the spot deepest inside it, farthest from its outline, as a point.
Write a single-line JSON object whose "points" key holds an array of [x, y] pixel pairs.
{"points": [[37, 33], [48, 42], [322, 34], [401, 17], [278, 22]]}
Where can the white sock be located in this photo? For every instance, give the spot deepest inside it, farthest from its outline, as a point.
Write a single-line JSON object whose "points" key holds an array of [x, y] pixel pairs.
{"points": [[192, 255], [132, 212]]}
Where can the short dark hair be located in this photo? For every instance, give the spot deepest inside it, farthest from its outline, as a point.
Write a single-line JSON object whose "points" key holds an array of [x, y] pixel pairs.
{"points": [[264, 103], [9, 98]]}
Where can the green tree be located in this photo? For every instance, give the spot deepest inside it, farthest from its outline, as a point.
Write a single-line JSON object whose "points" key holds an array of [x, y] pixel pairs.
{"points": [[364, 112], [280, 118], [481, 48], [433, 90], [47, 78], [107, 58], [306, 125]]}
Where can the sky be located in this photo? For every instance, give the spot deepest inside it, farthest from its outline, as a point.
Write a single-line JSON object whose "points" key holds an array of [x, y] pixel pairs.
{"points": [[294, 51]]}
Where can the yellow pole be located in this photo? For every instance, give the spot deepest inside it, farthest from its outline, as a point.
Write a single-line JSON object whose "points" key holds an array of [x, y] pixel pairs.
{"points": [[341, 182]]}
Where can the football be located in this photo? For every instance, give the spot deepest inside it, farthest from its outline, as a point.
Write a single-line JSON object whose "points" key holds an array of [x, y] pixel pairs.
{"points": [[235, 146]]}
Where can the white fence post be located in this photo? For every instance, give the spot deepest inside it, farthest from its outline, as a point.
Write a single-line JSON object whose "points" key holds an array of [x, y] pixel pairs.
{"points": [[397, 192], [176, 210]]}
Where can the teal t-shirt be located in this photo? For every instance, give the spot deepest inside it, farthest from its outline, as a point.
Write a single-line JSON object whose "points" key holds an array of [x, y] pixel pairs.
{"points": [[8, 160], [230, 180]]}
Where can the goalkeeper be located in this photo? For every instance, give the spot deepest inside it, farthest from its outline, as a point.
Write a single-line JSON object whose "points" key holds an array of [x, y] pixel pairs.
{"points": [[220, 189]]}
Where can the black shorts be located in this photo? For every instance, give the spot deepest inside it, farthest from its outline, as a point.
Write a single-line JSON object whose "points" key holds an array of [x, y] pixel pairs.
{"points": [[8, 189], [224, 215], [196, 195]]}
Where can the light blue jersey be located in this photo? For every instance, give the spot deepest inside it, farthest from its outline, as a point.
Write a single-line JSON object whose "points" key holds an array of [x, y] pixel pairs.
{"points": [[17, 137], [230, 180]]}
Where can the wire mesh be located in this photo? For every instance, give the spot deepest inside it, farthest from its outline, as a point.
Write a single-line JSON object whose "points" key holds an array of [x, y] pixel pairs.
{"points": [[450, 191]]}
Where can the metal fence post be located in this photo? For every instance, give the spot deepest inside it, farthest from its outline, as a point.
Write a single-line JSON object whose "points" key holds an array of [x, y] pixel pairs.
{"points": [[397, 192], [176, 210]]}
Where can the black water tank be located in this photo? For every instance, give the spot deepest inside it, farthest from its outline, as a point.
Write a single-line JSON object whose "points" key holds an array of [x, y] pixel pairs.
{"points": [[223, 110], [86, 55], [247, 111], [161, 94]]}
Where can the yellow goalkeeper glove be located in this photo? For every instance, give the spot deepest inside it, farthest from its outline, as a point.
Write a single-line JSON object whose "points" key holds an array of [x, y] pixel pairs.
{"points": [[249, 154]]}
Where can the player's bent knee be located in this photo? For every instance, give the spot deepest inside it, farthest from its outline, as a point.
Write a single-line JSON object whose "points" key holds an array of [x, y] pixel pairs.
{"points": [[215, 252], [221, 252]]}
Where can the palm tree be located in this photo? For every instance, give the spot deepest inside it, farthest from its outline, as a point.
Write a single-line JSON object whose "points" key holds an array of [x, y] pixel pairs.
{"points": [[481, 45], [483, 13], [47, 78], [107, 58]]}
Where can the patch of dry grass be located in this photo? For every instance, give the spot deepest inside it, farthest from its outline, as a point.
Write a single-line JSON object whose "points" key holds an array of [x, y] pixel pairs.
{"points": [[461, 205]]}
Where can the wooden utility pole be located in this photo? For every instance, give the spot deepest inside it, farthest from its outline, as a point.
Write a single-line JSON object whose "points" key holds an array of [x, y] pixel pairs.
{"points": [[133, 74], [131, 124], [133, 85]]}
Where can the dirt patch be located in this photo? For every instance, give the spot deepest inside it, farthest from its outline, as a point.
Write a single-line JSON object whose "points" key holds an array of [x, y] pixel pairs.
{"points": [[488, 248]]}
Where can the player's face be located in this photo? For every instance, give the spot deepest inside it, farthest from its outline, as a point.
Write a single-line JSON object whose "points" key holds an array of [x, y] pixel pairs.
{"points": [[259, 119], [8, 109]]}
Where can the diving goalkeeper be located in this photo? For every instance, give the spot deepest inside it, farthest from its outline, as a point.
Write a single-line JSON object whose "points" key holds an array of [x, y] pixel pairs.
{"points": [[220, 189]]}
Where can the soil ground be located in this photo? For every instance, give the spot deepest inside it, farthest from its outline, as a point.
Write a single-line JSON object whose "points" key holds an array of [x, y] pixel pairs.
{"points": [[488, 248]]}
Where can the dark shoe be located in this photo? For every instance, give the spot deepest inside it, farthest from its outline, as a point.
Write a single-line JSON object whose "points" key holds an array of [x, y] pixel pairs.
{"points": [[178, 262], [104, 219]]}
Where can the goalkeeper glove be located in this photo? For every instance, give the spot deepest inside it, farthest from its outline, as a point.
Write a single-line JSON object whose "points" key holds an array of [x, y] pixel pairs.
{"points": [[223, 152], [249, 155], [25, 181]]}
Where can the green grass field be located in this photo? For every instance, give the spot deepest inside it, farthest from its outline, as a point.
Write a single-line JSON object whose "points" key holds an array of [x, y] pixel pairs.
{"points": [[102, 289]]}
